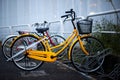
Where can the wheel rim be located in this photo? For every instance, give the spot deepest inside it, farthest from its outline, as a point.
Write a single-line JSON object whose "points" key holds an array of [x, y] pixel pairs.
{"points": [[86, 63], [6, 47], [22, 61]]}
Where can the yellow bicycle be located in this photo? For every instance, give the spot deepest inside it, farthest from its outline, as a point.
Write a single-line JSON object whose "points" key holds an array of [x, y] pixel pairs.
{"points": [[7, 42], [82, 48]]}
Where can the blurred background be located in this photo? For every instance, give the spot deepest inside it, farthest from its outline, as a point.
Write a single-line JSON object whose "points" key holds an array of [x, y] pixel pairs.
{"points": [[21, 14]]}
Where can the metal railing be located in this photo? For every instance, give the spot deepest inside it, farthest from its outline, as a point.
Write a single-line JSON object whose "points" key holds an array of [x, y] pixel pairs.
{"points": [[60, 24], [106, 13]]}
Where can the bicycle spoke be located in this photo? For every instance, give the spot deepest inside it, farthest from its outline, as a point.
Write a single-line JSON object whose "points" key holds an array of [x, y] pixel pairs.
{"points": [[21, 60], [91, 62]]}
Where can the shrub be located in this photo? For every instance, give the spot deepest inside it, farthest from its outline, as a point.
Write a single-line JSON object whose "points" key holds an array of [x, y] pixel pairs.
{"points": [[111, 40]]}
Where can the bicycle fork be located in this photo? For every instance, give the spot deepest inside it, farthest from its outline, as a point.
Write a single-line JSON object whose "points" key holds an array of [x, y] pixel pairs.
{"points": [[81, 44]]}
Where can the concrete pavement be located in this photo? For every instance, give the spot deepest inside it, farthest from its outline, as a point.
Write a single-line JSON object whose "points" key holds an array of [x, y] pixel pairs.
{"points": [[48, 71]]}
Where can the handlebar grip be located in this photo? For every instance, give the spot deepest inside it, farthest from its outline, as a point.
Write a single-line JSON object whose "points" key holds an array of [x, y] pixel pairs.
{"points": [[71, 10], [67, 11], [64, 16], [45, 22]]}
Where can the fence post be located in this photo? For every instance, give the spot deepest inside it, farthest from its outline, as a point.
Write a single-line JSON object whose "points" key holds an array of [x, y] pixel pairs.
{"points": [[10, 28]]}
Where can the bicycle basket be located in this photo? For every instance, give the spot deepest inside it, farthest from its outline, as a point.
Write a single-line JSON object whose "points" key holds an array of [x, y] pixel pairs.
{"points": [[84, 26]]}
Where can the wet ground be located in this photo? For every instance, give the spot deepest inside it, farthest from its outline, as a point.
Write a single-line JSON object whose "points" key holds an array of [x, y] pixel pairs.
{"points": [[48, 71]]}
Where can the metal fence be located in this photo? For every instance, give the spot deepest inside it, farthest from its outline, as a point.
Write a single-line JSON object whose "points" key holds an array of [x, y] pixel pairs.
{"points": [[113, 16], [58, 27]]}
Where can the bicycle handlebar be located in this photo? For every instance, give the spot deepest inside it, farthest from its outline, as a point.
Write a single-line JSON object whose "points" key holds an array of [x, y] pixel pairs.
{"points": [[71, 14], [71, 10], [64, 16]]}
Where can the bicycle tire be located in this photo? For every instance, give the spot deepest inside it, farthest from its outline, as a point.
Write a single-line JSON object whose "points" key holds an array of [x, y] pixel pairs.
{"points": [[6, 47], [89, 63], [57, 39], [26, 63]]}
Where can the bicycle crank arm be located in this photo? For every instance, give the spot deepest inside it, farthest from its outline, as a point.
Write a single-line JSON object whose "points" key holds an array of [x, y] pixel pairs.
{"points": [[28, 47]]}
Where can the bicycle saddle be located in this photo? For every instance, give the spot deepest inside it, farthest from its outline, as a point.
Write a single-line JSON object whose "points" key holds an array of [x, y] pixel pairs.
{"points": [[42, 30]]}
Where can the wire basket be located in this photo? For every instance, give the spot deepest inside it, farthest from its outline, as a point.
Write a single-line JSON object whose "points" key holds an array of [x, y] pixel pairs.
{"points": [[85, 26]]}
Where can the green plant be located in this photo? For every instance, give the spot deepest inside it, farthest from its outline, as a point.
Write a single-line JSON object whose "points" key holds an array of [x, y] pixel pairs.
{"points": [[111, 40], [0, 43]]}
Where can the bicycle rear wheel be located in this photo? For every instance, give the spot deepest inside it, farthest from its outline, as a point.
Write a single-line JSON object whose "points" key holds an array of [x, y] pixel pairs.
{"points": [[22, 61], [6, 47], [89, 63]]}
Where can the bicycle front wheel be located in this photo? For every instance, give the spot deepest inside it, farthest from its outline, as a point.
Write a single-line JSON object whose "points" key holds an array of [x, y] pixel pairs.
{"points": [[87, 63], [23, 61]]}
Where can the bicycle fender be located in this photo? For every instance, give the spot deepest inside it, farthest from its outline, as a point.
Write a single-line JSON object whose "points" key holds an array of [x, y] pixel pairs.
{"points": [[8, 37], [82, 47], [17, 37]]}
